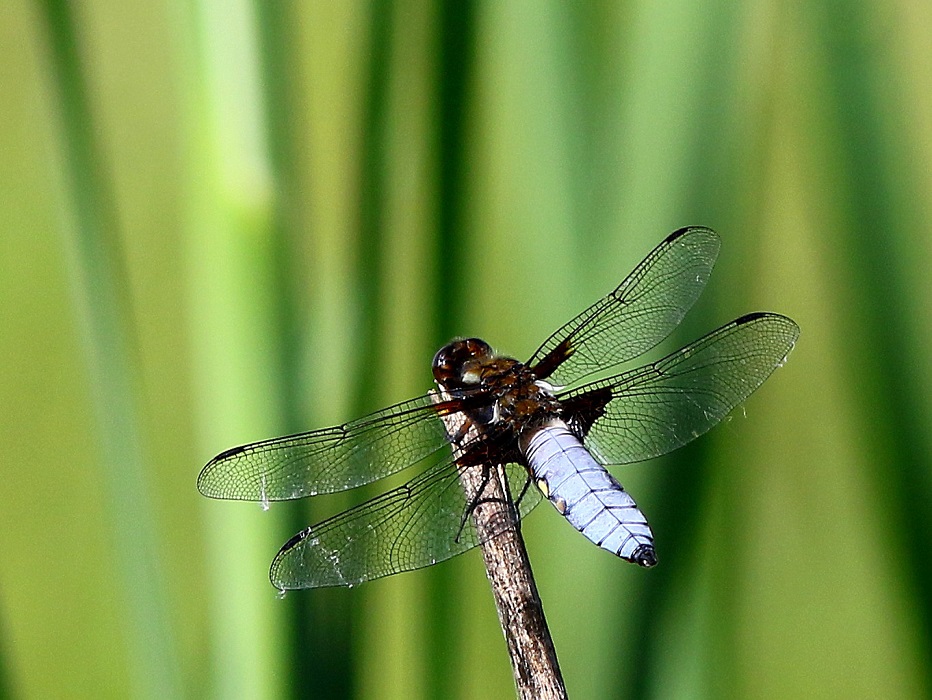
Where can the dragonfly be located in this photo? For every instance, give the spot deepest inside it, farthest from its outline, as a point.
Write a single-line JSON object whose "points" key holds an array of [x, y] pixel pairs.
{"points": [[537, 426]]}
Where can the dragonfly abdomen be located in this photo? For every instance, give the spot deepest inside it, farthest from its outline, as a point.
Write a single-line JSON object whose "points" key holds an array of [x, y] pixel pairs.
{"points": [[584, 492]]}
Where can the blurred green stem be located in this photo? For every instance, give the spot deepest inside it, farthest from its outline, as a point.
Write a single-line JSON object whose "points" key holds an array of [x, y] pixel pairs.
{"points": [[100, 292]]}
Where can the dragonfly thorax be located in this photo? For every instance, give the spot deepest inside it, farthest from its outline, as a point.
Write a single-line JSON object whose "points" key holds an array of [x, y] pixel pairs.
{"points": [[498, 388]]}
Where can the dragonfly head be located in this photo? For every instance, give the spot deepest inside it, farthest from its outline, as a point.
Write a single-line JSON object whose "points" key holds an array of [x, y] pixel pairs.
{"points": [[458, 365]]}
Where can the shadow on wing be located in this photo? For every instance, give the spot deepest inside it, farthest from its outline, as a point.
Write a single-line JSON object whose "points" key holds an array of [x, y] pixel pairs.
{"points": [[409, 527], [655, 409], [331, 459], [642, 311]]}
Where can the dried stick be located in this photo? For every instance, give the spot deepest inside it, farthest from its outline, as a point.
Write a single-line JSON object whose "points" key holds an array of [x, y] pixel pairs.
{"points": [[520, 612]]}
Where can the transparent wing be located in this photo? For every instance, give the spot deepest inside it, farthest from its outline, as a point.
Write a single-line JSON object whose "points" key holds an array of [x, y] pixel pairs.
{"points": [[657, 408], [410, 527], [642, 311], [328, 460]]}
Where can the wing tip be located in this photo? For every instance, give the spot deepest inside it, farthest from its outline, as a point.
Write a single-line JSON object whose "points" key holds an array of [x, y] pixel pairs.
{"points": [[791, 326], [226, 454], [687, 230], [288, 574], [204, 482], [276, 575]]}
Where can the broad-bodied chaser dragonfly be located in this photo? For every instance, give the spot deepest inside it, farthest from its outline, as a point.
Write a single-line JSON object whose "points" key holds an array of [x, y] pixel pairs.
{"points": [[531, 422]]}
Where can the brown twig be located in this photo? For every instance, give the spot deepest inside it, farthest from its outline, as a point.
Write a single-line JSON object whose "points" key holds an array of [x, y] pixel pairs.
{"points": [[520, 611]]}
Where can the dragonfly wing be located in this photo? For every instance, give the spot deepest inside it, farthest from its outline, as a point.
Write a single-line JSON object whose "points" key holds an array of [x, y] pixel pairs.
{"points": [[657, 408], [332, 459], [642, 311], [410, 527]]}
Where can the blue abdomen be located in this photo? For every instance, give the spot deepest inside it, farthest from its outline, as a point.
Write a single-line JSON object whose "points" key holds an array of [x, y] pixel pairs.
{"points": [[588, 496]]}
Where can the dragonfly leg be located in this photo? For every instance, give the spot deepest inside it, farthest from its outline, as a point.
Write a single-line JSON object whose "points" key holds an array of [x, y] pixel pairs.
{"points": [[478, 500], [527, 484]]}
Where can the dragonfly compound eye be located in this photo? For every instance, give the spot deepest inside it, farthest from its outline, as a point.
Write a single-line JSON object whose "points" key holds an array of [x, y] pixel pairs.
{"points": [[456, 364]]}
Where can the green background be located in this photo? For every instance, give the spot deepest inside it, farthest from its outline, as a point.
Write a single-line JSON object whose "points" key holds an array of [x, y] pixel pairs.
{"points": [[222, 221]]}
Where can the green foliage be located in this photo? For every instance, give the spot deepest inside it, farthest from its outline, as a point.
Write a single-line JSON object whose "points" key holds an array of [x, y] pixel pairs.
{"points": [[228, 221]]}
